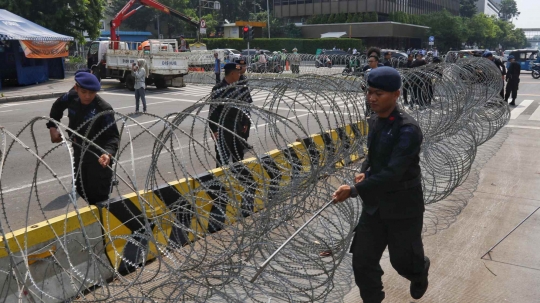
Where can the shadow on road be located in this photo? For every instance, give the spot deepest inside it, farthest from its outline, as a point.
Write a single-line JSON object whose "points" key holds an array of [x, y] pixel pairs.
{"points": [[58, 203]]}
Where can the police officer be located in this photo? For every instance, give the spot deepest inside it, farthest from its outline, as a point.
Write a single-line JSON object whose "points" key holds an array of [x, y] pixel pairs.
{"points": [[93, 172], [388, 59], [245, 94], [389, 185], [229, 123], [512, 80]]}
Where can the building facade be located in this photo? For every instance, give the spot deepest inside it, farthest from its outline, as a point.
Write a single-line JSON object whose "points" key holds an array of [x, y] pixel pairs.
{"points": [[489, 7], [298, 10]]}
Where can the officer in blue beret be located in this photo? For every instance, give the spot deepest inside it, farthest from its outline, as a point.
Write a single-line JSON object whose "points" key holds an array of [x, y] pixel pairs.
{"points": [[229, 122], [93, 159], [389, 184]]}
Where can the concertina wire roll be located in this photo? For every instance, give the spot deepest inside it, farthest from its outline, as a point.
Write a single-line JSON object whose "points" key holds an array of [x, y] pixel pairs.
{"points": [[243, 212]]}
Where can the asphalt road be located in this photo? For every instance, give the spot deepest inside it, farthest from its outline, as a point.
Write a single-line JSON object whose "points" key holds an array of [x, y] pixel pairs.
{"points": [[24, 207]]}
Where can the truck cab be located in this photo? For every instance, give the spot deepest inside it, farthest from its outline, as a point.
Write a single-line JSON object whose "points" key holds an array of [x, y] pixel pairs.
{"points": [[96, 59]]}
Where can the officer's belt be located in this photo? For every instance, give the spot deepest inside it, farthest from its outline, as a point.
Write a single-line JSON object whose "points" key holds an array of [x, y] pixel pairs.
{"points": [[408, 184]]}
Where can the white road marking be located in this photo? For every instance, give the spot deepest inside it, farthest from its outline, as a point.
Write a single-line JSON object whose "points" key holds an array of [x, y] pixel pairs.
{"points": [[26, 103], [5, 111], [522, 126], [536, 115], [154, 103], [520, 109]]}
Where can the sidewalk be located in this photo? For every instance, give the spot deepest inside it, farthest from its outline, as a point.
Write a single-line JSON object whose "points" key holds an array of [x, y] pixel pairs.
{"points": [[500, 192], [49, 89]]}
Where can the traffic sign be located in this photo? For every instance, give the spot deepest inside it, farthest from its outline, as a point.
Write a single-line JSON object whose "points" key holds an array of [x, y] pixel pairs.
{"points": [[203, 30], [203, 23], [431, 39], [431, 43]]}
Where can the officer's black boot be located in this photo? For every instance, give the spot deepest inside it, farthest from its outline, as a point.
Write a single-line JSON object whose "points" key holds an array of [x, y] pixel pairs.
{"points": [[418, 288], [513, 102]]}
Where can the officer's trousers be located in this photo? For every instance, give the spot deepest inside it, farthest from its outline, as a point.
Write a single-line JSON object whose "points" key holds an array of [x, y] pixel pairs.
{"points": [[229, 145], [511, 88], [404, 240], [93, 182]]}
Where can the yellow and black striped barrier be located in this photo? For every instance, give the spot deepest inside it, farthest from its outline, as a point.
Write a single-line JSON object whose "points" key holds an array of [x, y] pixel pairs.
{"points": [[183, 211]]}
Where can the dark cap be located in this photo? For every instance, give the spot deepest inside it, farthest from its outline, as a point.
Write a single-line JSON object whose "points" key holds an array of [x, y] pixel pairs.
{"points": [[232, 66], [240, 61], [87, 81], [385, 78], [487, 54], [387, 53]]}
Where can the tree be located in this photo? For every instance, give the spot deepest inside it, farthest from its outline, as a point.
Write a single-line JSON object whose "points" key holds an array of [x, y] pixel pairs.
{"points": [[467, 8], [508, 10], [67, 17], [482, 30], [445, 36]]}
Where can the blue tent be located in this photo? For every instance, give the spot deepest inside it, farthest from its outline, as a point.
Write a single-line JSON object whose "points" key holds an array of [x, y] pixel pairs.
{"points": [[13, 62]]}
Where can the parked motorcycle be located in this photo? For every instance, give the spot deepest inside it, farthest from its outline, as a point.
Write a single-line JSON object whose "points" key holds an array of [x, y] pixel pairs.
{"points": [[257, 68], [323, 61], [535, 69]]}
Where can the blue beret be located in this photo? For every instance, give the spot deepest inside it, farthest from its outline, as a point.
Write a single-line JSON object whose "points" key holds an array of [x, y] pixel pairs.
{"points": [[385, 78], [231, 66], [487, 54], [511, 57], [87, 81]]}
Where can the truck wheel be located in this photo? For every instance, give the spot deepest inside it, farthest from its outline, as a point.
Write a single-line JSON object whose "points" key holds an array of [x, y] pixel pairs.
{"points": [[130, 82], [160, 83], [95, 71]]}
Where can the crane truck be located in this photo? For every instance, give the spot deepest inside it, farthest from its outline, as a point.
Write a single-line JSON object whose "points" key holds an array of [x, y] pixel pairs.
{"points": [[114, 58]]}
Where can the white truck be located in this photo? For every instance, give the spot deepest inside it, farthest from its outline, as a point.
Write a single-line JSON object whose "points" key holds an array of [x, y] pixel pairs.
{"points": [[163, 61]]}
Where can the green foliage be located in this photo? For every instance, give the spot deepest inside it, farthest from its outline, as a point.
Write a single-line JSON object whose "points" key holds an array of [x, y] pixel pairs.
{"points": [[467, 8], [350, 18], [76, 60], [330, 19], [401, 17], [482, 30], [341, 18], [67, 17], [305, 46], [508, 10], [446, 36]]}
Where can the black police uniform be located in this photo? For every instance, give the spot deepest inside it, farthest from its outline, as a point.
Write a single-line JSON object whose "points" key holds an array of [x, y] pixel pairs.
{"points": [[93, 182], [229, 121], [512, 78], [502, 68], [245, 95], [393, 205]]}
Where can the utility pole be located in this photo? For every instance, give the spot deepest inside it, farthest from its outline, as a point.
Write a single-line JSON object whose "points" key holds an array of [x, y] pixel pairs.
{"points": [[268, 15]]}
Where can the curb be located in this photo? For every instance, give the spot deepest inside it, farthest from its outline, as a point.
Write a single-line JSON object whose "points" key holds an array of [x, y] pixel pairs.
{"points": [[31, 97], [40, 96]]}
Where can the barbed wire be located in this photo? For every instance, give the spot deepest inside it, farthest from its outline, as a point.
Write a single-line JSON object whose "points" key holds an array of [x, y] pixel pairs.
{"points": [[190, 232]]}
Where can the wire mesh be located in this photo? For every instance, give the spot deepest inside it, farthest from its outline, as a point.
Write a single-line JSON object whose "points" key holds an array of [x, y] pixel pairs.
{"points": [[203, 238]]}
